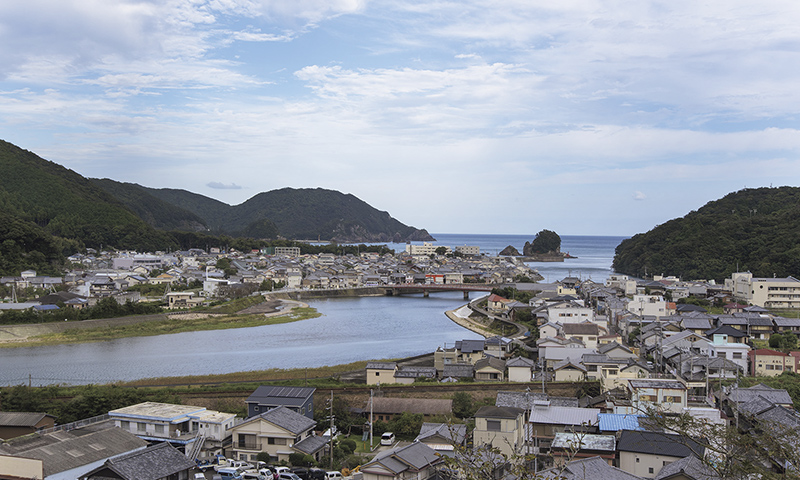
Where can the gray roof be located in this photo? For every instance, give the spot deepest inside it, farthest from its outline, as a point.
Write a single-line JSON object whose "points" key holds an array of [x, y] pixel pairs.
{"points": [[61, 451], [520, 362], [654, 443], [491, 362], [489, 411], [425, 406], [414, 457], [455, 433], [458, 370], [470, 346], [690, 466], [553, 415], [381, 365], [786, 322], [656, 383], [415, 372], [21, 419], [152, 463], [526, 400], [311, 445], [572, 441], [774, 395], [272, 395], [588, 469], [286, 419]]}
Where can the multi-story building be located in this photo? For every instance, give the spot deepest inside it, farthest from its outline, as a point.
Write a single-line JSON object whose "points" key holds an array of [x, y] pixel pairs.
{"points": [[501, 427], [278, 432], [765, 292]]}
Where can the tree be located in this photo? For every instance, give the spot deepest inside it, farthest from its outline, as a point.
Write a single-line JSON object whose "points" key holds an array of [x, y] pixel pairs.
{"points": [[463, 406], [440, 250], [546, 241]]}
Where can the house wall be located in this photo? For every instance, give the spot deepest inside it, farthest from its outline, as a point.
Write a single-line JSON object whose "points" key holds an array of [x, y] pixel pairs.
{"points": [[519, 374], [17, 467], [642, 464], [771, 365], [262, 436], [569, 375], [384, 377], [508, 439], [488, 375]]}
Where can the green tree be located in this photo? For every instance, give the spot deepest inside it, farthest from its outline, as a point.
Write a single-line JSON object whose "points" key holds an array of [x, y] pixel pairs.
{"points": [[463, 406], [406, 424], [546, 241]]}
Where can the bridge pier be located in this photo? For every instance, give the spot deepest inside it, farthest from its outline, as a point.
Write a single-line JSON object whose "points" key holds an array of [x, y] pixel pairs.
{"points": [[466, 294], [426, 293]]}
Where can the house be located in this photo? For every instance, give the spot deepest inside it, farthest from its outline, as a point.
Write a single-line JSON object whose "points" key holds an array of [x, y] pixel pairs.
{"points": [[417, 461], [766, 362], [66, 454], [380, 373], [592, 468], [585, 332], [569, 371], [17, 424], [279, 432], [180, 425], [490, 369], [409, 374], [386, 408], [266, 397], [571, 445], [689, 468], [546, 420], [520, 369], [156, 462], [501, 427], [663, 394], [644, 453], [442, 437], [183, 300]]}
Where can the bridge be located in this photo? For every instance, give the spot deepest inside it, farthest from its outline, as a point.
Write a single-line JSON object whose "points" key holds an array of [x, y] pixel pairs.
{"points": [[427, 288]]}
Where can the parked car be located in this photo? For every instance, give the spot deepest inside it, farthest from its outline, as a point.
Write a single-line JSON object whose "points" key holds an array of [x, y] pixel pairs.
{"points": [[316, 474], [288, 476], [231, 473], [387, 438], [281, 469], [251, 475], [301, 472], [333, 475]]}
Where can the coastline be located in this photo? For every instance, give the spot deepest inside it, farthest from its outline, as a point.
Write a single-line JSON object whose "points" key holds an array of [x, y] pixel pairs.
{"points": [[42, 334], [467, 323]]}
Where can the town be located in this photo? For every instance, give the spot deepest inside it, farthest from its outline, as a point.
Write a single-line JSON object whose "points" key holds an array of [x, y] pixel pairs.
{"points": [[629, 378]]}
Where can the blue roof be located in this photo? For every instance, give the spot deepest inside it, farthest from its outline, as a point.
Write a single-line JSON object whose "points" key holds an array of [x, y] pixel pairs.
{"points": [[45, 307], [614, 422]]}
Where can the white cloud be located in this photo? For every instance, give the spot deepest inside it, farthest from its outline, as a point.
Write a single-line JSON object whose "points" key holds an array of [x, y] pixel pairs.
{"points": [[637, 195]]}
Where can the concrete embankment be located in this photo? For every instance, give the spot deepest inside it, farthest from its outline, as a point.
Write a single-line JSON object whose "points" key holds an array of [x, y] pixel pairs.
{"points": [[461, 317]]}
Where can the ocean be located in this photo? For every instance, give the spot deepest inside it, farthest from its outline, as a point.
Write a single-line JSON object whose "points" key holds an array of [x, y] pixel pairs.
{"points": [[594, 253]]}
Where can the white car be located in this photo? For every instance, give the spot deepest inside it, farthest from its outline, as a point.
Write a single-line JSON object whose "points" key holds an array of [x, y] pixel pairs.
{"points": [[387, 438]]}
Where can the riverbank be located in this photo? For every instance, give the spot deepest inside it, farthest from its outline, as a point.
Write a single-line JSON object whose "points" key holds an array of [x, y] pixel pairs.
{"points": [[42, 334], [460, 316]]}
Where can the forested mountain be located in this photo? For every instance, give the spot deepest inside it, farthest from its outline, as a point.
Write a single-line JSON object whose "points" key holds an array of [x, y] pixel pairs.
{"points": [[756, 230], [306, 213], [64, 204], [156, 212]]}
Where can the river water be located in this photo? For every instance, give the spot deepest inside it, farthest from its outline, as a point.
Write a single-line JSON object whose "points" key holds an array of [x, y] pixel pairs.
{"points": [[351, 329]]}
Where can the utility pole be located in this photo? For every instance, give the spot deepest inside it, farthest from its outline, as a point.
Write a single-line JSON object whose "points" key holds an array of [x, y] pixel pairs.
{"points": [[370, 419], [332, 427]]}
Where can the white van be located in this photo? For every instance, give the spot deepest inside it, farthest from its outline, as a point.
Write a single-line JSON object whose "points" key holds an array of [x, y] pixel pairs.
{"points": [[333, 476], [387, 438]]}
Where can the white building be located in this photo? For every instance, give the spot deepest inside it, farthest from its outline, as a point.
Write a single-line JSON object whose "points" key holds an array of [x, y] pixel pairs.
{"points": [[427, 248], [765, 292], [648, 305]]}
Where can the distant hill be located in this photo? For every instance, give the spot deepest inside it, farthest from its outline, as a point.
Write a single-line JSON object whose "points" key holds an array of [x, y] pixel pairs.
{"points": [[305, 214], [156, 212], [756, 230], [64, 204]]}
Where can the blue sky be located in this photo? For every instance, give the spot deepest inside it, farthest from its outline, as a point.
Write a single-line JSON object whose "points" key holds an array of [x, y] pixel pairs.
{"points": [[583, 117]]}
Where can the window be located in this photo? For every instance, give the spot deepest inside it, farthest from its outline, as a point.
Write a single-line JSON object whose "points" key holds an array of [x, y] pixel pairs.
{"points": [[737, 355], [159, 428], [276, 441], [377, 374], [141, 427], [255, 408], [650, 470], [637, 459], [125, 425], [493, 425]]}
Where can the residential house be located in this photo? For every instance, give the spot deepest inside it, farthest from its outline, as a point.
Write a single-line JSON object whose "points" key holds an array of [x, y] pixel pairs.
{"points": [[490, 369], [592, 468], [547, 419], [417, 461], [409, 374], [66, 454], [501, 427], [380, 373], [386, 408], [568, 446], [267, 397], [644, 453], [177, 300], [278, 432], [17, 424], [689, 468], [442, 437], [520, 369], [766, 362], [666, 395], [156, 462], [569, 371]]}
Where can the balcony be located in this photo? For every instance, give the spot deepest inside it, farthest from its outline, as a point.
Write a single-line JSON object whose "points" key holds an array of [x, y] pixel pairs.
{"points": [[255, 446]]}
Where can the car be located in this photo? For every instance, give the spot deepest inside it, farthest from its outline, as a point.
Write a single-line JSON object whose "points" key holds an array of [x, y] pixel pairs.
{"points": [[288, 476], [301, 472], [316, 474], [333, 475], [387, 438]]}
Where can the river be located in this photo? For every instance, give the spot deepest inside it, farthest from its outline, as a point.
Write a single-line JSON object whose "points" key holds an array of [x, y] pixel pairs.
{"points": [[351, 329]]}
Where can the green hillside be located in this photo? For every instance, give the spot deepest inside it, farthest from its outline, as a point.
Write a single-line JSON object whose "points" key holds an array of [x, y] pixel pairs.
{"points": [[756, 230], [296, 213], [156, 212], [65, 204]]}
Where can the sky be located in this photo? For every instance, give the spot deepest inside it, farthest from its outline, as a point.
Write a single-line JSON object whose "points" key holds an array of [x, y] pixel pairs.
{"points": [[507, 117]]}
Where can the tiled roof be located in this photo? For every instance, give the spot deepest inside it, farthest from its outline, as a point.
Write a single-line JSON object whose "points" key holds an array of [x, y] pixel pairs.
{"points": [[159, 461], [654, 443]]}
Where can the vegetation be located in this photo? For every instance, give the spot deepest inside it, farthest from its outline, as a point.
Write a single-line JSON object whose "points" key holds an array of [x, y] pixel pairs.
{"points": [[546, 241], [104, 308], [756, 230]]}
